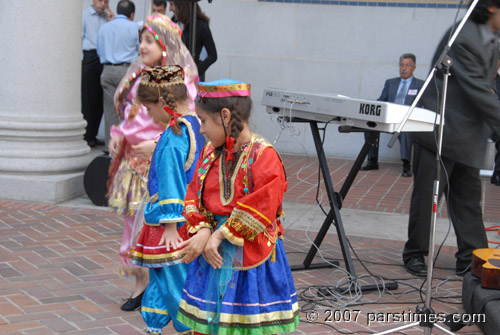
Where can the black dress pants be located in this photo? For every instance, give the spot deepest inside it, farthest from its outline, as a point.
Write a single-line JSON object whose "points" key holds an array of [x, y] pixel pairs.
{"points": [[372, 155], [496, 169], [463, 198], [92, 107]]}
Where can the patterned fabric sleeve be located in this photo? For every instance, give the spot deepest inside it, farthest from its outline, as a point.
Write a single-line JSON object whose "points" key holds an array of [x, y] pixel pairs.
{"points": [[196, 217], [122, 108], [256, 212], [116, 131], [123, 111]]}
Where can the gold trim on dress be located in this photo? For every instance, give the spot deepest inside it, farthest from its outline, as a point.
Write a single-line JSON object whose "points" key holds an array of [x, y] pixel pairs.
{"points": [[180, 219], [266, 144], [154, 310], [255, 211], [245, 268], [191, 209], [230, 237], [233, 176], [172, 201], [167, 257], [241, 319], [203, 224], [192, 144], [245, 224]]}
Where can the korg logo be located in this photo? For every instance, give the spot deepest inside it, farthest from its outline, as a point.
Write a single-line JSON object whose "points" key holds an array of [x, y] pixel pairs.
{"points": [[369, 109]]}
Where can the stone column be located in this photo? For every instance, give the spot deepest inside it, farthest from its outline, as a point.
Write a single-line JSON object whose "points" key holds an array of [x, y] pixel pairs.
{"points": [[42, 152]]}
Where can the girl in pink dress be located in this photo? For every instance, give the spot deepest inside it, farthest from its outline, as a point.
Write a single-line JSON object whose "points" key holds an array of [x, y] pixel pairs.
{"points": [[132, 142]]}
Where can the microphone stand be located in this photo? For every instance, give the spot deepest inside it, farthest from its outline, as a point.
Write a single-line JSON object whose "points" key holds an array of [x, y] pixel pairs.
{"points": [[427, 316]]}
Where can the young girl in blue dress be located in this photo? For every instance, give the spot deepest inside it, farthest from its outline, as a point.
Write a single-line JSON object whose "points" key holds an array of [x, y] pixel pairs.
{"points": [[132, 141], [242, 284], [163, 92]]}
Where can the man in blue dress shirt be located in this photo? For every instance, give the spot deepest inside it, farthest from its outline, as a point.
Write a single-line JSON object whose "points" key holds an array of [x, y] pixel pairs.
{"points": [[117, 47], [93, 18]]}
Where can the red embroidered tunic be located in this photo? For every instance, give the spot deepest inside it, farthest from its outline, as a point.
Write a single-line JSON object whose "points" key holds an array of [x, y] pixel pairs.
{"points": [[250, 196]]}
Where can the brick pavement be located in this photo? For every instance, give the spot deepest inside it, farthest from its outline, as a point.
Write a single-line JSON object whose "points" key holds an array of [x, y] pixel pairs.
{"points": [[383, 190], [58, 264]]}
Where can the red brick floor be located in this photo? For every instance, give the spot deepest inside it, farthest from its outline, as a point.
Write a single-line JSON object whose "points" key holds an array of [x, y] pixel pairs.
{"points": [[58, 265], [383, 190]]}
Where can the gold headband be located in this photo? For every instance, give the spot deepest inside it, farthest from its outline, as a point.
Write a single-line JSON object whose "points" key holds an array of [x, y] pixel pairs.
{"points": [[162, 76]]}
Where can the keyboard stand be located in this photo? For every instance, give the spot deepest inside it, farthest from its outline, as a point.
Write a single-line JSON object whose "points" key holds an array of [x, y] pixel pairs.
{"points": [[335, 200]]}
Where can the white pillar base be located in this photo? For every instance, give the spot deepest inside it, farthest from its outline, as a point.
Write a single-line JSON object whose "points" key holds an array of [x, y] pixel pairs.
{"points": [[42, 162], [42, 188], [42, 152]]}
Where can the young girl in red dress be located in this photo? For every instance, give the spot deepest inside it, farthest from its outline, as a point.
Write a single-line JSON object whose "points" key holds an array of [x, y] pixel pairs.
{"points": [[242, 284]]}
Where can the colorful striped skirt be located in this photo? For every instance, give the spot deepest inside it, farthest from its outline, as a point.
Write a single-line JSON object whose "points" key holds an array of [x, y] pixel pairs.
{"points": [[226, 301]]}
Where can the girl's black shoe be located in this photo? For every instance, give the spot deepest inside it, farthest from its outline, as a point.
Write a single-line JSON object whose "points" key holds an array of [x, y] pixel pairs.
{"points": [[132, 304]]}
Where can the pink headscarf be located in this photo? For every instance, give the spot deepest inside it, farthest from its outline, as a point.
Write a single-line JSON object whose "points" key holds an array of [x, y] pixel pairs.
{"points": [[168, 35]]}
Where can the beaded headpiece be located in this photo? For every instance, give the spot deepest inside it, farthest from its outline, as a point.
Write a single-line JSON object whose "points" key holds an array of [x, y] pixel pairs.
{"points": [[163, 24], [162, 76], [223, 88], [157, 24]]}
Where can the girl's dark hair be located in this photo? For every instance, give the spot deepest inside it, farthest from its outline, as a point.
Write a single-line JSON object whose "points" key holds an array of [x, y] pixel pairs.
{"points": [[171, 94], [184, 12], [240, 108]]}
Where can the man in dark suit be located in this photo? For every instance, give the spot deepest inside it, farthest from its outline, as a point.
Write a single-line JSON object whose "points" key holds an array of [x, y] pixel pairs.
{"points": [[401, 90], [472, 112], [93, 17], [495, 178]]}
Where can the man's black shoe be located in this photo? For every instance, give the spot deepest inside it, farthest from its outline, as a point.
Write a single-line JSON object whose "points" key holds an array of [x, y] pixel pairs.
{"points": [[416, 266], [95, 142], [406, 173], [406, 168], [132, 304], [370, 166], [495, 179], [92, 143]]}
